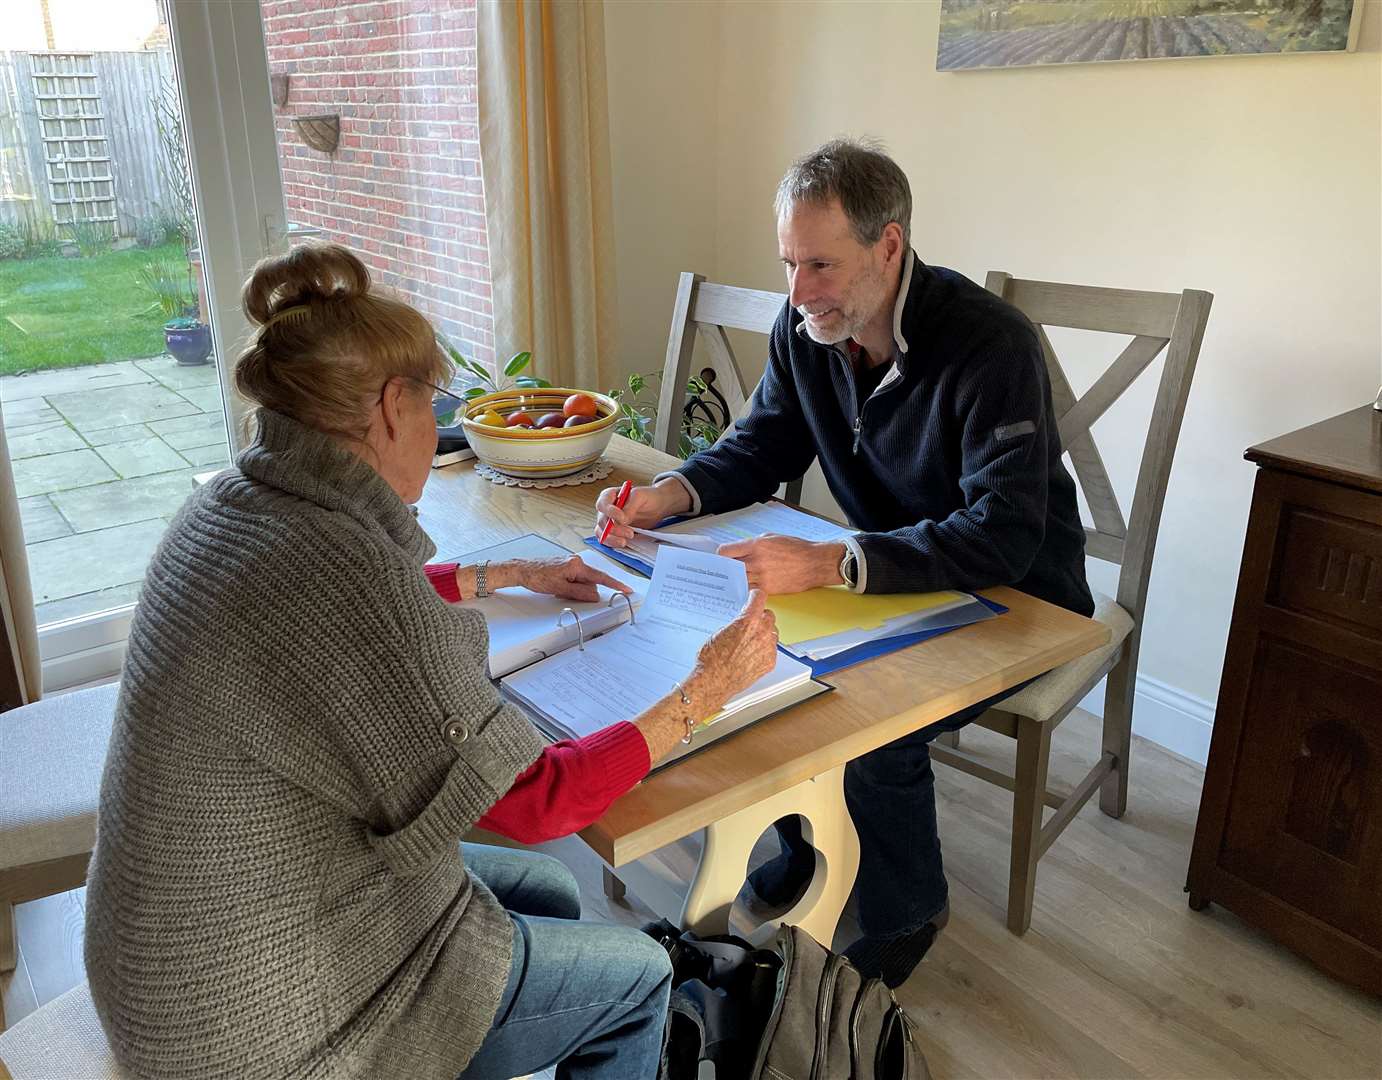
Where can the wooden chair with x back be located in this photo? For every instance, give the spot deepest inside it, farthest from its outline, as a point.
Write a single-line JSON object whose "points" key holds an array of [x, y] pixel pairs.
{"points": [[703, 312], [1173, 322]]}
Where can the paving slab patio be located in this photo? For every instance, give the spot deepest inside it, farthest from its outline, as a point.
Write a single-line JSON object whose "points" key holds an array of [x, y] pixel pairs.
{"points": [[92, 410], [52, 437], [73, 565], [41, 519], [58, 472], [142, 458], [99, 508], [103, 456]]}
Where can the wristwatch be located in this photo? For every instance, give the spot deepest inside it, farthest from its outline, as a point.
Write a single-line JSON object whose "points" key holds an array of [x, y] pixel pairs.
{"points": [[481, 580], [849, 569]]}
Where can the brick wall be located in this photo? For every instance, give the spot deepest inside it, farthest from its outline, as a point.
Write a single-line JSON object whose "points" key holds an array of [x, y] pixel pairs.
{"points": [[403, 187]]}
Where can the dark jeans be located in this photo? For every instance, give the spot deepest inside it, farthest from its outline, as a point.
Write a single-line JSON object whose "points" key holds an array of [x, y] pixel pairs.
{"points": [[891, 794]]}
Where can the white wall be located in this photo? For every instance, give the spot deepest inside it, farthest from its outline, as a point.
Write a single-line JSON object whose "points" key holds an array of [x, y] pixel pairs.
{"points": [[1255, 178]]}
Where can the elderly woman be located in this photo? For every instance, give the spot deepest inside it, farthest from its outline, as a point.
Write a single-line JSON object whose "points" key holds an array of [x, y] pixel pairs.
{"points": [[305, 730]]}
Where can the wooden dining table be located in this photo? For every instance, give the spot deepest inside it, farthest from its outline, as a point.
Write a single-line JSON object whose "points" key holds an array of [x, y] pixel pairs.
{"points": [[790, 763]]}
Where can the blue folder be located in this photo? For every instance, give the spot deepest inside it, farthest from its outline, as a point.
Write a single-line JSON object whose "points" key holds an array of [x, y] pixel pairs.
{"points": [[867, 651]]}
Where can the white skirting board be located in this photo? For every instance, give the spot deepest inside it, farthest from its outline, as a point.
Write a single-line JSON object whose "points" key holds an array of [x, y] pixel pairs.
{"points": [[1166, 715]]}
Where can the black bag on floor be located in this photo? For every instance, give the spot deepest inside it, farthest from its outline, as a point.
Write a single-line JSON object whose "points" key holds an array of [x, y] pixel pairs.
{"points": [[796, 1011]]}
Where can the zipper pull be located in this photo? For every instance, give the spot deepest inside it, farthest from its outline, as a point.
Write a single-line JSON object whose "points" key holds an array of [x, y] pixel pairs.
{"points": [[858, 431]]}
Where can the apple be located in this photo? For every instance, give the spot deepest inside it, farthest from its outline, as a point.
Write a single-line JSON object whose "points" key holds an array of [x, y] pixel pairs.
{"points": [[576, 421], [580, 405], [551, 420], [519, 419]]}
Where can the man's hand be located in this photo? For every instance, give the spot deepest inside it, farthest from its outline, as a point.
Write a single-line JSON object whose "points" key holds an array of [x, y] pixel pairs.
{"points": [[568, 577], [785, 564], [646, 506]]}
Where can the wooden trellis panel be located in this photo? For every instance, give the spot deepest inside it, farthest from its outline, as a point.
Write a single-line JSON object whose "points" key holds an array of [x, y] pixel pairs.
{"points": [[76, 149]]}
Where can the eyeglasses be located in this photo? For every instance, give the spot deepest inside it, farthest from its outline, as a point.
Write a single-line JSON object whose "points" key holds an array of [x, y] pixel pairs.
{"points": [[444, 402]]}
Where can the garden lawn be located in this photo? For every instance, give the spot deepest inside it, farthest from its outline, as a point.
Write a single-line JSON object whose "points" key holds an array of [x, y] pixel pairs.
{"points": [[57, 312]]}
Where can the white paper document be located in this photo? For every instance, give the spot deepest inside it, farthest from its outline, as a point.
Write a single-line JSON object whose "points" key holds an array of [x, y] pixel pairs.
{"points": [[708, 533], [620, 674]]}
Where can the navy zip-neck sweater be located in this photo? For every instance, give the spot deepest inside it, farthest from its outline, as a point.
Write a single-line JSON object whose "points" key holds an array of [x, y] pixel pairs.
{"points": [[951, 468]]}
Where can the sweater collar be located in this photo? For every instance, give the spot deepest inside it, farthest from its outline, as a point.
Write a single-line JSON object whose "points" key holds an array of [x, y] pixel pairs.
{"points": [[303, 462]]}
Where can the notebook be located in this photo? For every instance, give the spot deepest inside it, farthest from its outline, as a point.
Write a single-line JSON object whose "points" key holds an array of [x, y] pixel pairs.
{"points": [[621, 672]]}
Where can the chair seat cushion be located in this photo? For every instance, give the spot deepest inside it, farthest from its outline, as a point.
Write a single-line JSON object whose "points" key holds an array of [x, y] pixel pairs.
{"points": [[1043, 698], [61, 1039], [51, 756]]}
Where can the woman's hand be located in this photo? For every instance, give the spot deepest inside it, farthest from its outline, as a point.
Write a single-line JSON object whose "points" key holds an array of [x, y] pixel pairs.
{"points": [[738, 655], [733, 660], [568, 577]]}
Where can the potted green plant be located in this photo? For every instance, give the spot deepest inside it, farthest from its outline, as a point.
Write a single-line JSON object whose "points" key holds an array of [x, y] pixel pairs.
{"points": [[187, 338]]}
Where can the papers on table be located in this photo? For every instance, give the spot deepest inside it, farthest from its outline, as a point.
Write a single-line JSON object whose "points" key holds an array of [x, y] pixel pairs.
{"points": [[523, 624], [926, 612], [708, 533], [624, 672]]}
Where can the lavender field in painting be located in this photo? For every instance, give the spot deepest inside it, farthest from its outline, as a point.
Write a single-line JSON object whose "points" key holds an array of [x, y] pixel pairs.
{"points": [[1016, 33]]}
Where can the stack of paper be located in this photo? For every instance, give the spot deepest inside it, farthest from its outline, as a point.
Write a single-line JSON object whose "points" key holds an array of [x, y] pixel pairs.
{"points": [[708, 533], [623, 673]]}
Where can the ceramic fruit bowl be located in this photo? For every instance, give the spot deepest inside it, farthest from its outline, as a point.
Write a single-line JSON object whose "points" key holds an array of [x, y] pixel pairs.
{"points": [[539, 451]]}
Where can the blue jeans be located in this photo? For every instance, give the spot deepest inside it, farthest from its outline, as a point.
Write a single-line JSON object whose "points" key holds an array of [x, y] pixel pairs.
{"points": [[588, 997], [891, 795]]}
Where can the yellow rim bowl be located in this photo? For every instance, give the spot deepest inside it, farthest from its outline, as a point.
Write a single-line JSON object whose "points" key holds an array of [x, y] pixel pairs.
{"points": [[538, 452]]}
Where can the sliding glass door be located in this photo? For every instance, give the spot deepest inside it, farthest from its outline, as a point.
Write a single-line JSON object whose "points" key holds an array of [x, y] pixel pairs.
{"points": [[120, 259]]}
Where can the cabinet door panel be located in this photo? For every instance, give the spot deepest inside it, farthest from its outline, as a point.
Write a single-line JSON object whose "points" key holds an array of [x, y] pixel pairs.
{"points": [[1305, 812]]}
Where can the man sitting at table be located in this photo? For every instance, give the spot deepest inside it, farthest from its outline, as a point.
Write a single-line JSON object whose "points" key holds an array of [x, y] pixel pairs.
{"points": [[926, 400]]}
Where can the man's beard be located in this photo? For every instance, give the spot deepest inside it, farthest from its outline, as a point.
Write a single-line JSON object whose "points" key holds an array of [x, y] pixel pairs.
{"points": [[852, 314]]}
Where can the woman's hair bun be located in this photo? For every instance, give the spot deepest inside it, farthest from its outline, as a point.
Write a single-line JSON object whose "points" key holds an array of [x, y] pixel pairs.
{"points": [[305, 273]]}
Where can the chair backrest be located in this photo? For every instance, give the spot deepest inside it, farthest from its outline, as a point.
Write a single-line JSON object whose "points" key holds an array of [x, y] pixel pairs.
{"points": [[705, 310], [1171, 321]]}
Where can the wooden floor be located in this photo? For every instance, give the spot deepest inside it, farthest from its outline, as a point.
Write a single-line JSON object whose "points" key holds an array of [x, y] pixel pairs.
{"points": [[1116, 978]]}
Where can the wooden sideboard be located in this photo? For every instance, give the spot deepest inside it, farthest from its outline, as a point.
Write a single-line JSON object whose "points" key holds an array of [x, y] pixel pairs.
{"points": [[1290, 828]]}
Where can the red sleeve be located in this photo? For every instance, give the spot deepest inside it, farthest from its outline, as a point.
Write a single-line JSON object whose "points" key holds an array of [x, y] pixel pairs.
{"points": [[571, 785], [443, 579]]}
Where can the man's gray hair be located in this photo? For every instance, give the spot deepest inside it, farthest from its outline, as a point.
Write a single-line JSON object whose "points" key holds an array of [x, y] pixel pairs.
{"points": [[871, 187]]}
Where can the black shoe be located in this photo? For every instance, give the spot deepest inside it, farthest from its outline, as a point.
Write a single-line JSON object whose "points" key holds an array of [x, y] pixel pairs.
{"points": [[893, 959], [780, 883]]}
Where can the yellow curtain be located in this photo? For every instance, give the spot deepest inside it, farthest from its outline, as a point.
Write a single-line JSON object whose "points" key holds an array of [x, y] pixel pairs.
{"points": [[544, 148], [16, 596]]}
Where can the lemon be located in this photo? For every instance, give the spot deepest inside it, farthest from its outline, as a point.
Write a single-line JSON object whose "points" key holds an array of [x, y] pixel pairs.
{"points": [[490, 418]]}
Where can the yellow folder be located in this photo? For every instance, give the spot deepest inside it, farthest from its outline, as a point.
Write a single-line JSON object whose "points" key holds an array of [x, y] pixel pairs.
{"points": [[815, 613]]}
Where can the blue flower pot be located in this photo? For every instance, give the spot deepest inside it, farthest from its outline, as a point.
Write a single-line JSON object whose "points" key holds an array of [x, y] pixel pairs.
{"points": [[189, 346]]}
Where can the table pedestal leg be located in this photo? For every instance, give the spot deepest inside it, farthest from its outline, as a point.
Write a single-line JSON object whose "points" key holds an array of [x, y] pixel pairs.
{"points": [[728, 843]]}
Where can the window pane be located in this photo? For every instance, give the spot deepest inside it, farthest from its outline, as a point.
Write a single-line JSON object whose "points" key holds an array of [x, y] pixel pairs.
{"points": [[99, 289], [402, 187]]}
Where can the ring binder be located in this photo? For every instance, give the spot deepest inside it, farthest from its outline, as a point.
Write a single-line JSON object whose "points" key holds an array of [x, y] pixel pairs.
{"points": [[624, 597], [580, 630]]}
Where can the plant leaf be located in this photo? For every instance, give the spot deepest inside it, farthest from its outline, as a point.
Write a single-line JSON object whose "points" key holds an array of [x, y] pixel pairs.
{"points": [[518, 362], [474, 392]]}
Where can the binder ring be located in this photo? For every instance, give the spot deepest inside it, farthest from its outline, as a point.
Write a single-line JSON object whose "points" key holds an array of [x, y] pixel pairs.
{"points": [[624, 597], [580, 630]]}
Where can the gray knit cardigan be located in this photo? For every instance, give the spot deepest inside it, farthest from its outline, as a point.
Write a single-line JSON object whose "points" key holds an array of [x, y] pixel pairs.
{"points": [[304, 732]]}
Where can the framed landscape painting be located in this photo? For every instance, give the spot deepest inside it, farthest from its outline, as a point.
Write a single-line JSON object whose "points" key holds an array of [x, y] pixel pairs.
{"points": [[1020, 33]]}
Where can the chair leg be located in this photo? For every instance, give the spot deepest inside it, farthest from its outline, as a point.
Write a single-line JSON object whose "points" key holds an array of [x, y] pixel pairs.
{"points": [[950, 739], [614, 888], [1113, 793], [1029, 788], [9, 938]]}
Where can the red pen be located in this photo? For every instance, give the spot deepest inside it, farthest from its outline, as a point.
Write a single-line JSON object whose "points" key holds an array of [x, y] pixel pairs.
{"points": [[619, 500]]}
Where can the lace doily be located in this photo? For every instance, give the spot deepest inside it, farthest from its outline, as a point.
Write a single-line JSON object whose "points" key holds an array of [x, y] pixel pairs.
{"points": [[588, 475]]}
